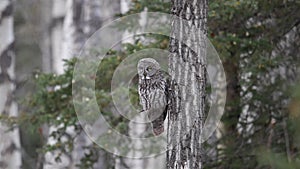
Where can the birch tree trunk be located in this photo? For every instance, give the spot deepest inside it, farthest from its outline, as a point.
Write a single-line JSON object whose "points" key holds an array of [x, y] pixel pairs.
{"points": [[97, 13], [72, 39], [56, 33], [46, 28], [10, 148], [78, 20], [52, 62], [188, 69]]}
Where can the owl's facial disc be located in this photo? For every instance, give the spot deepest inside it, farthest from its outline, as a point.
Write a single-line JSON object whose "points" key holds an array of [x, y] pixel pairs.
{"points": [[147, 68]]}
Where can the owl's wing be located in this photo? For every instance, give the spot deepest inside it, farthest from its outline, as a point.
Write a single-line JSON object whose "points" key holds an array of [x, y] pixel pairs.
{"points": [[158, 104], [158, 110]]}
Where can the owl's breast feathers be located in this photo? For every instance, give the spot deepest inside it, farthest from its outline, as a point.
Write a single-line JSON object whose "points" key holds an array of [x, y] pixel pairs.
{"points": [[154, 95]]}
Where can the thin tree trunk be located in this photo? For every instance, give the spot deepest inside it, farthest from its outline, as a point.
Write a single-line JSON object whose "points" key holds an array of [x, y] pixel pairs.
{"points": [[73, 35], [52, 17], [92, 16], [52, 62], [71, 40], [188, 71], [81, 19], [10, 148], [45, 42], [96, 14], [56, 33]]}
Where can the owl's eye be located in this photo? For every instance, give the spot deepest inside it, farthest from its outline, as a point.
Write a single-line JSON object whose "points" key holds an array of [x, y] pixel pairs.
{"points": [[149, 68]]}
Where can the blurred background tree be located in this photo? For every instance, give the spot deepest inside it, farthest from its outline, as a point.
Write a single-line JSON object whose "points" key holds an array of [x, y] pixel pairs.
{"points": [[258, 42]]}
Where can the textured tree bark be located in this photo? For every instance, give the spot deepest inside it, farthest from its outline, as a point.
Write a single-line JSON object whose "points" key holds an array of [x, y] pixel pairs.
{"points": [[56, 34], [53, 14], [10, 148], [72, 39], [73, 35], [45, 43], [188, 70], [61, 43]]}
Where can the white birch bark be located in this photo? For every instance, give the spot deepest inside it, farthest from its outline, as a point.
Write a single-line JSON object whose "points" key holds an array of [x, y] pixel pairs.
{"points": [[97, 13], [52, 62], [66, 46], [72, 39], [56, 33], [10, 147], [125, 4], [81, 18]]}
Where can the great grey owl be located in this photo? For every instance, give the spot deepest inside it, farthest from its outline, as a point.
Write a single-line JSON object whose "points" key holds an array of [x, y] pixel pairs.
{"points": [[153, 92]]}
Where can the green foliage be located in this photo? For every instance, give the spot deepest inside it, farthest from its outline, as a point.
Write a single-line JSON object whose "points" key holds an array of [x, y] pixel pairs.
{"points": [[247, 34], [52, 103], [289, 157]]}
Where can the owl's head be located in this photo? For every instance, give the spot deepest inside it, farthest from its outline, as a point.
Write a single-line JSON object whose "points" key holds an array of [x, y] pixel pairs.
{"points": [[147, 68]]}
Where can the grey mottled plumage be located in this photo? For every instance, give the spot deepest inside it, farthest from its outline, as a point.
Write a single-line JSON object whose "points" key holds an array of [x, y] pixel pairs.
{"points": [[153, 92]]}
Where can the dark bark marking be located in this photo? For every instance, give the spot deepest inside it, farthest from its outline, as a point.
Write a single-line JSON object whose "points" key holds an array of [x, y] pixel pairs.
{"points": [[55, 22], [3, 164], [10, 149], [5, 63], [4, 78], [8, 103], [77, 20], [6, 58], [8, 11]]}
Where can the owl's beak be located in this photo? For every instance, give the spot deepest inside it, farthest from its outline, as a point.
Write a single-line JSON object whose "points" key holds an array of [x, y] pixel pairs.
{"points": [[145, 76]]}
